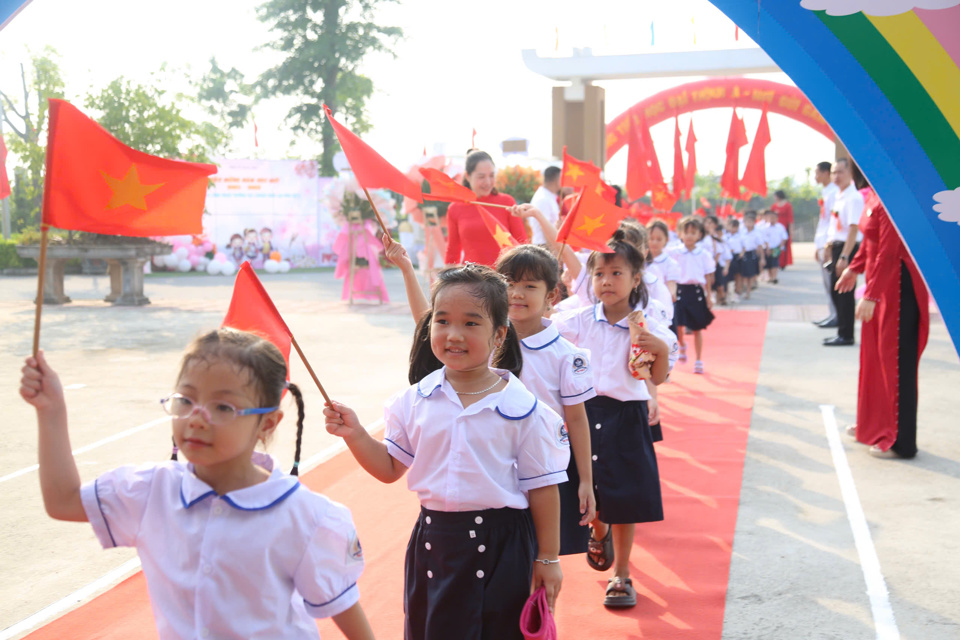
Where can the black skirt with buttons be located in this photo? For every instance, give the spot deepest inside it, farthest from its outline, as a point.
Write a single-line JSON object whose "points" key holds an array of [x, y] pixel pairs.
{"points": [[468, 574], [625, 473], [573, 538], [691, 310]]}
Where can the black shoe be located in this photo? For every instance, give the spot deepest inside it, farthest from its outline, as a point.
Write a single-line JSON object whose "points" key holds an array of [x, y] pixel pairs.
{"points": [[838, 342], [830, 323]]}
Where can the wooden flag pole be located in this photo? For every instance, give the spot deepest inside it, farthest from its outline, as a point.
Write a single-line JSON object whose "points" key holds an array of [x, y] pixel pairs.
{"points": [[383, 227], [41, 278], [306, 363], [491, 204]]}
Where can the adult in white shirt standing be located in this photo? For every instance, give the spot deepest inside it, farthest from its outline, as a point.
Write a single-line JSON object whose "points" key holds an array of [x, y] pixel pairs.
{"points": [[545, 199], [843, 240], [828, 195]]}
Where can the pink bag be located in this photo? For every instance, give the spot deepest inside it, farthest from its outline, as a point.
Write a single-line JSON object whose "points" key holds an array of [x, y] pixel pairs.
{"points": [[536, 621]]}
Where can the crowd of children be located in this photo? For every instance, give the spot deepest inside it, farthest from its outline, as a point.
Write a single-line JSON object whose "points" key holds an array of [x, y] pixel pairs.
{"points": [[527, 433]]}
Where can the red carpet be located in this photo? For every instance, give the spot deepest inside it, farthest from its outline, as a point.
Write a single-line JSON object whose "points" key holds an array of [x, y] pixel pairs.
{"points": [[680, 566]]}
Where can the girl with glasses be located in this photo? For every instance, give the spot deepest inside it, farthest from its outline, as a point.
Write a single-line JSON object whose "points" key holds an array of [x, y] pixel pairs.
{"points": [[230, 545]]}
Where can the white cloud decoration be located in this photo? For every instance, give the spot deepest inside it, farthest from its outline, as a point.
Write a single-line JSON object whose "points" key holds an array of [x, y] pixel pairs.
{"points": [[948, 205], [874, 7]]}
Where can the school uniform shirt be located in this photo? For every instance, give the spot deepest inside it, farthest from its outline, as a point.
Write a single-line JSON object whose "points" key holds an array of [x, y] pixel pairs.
{"points": [[658, 292], [257, 562], [546, 201], [609, 344], [776, 234], [735, 243], [846, 211], [665, 267], [752, 240], [487, 456], [554, 370], [695, 265], [827, 197]]}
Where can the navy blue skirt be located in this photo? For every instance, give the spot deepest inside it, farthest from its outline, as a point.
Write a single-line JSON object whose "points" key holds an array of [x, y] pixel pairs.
{"points": [[750, 267], [736, 266], [468, 574], [625, 473], [719, 280], [690, 310], [573, 537]]}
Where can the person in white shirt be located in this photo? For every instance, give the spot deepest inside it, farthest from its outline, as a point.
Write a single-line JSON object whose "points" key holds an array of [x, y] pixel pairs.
{"points": [[843, 240], [752, 244], [735, 243], [231, 547], [625, 471], [776, 237], [545, 200], [720, 250], [693, 306], [828, 194], [658, 259], [484, 456]]}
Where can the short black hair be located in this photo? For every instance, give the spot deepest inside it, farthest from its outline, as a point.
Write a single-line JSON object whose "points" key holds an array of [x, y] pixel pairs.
{"points": [[780, 194], [551, 173], [824, 166], [529, 262]]}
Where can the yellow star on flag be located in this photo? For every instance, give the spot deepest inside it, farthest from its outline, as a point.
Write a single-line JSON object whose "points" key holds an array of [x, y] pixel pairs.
{"points": [[599, 189], [573, 172], [129, 190], [591, 224], [502, 236]]}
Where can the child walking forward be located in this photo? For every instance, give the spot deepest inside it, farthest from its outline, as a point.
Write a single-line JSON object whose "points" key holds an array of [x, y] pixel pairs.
{"points": [[697, 268], [231, 547], [484, 457], [626, 477]]}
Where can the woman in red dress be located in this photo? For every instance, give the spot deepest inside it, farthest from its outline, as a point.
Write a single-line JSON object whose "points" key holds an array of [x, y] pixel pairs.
{"points": [[785, 217], [468, 239], [896, 322]]}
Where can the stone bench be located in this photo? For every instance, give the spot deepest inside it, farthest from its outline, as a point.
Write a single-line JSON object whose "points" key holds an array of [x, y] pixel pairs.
{"points": [[124, 264]]}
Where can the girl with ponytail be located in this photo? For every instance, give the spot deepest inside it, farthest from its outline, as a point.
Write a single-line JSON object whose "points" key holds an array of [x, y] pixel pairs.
{"points": [[484, 457], [226, 531]]}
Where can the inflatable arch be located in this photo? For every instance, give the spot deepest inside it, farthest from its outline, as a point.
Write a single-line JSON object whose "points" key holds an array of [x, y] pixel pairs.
{"points": [[717, 93]]}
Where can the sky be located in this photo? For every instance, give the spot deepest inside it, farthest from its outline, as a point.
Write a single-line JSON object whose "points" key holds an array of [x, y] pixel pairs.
{"points": [[457, 68]]}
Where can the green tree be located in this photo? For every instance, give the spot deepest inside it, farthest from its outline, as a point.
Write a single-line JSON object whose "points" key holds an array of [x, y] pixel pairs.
{"points": [[225, 95], [324, 42], [26, 117], [144, 118]]}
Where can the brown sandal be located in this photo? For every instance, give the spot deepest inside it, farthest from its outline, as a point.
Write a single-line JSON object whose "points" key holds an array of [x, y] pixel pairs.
{"points": [[620, 594], [600, 552]]}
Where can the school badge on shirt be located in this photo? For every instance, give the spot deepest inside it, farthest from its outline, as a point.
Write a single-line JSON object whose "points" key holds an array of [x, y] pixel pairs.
{"points": [[563, 436], [580, 364], [356, 551]]}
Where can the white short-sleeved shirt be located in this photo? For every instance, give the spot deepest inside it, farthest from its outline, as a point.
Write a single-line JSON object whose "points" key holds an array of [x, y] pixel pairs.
{"points": [[846, 210], [554, 370], [665, 267], [775, 235], [827, 196], [610, 346], [258, 562], [752, 240], [547, 203], [735, 242], [695, 265], [487, 456], [658, 292]]}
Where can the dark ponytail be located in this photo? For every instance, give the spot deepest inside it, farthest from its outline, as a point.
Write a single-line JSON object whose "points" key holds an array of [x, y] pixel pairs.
{"points": [[173, 455], [423, 361], [626, 250], [509, 356], [298, 396]]}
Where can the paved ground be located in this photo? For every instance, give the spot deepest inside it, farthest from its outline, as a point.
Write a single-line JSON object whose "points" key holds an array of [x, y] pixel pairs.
{"points": [[795, 571]]}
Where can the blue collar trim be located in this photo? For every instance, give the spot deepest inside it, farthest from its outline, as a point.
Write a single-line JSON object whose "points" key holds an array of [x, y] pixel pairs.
{"points": [[599, 317]]}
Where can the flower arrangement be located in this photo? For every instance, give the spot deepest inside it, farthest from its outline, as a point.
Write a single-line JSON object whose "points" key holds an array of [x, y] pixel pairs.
{"points": [[519, 182]]}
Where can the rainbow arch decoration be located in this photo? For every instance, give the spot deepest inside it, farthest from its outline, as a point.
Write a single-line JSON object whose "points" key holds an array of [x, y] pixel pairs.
{"points": [[716, 93], [885, 74]]}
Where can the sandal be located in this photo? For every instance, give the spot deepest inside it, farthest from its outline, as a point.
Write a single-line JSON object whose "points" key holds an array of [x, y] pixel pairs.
{"points": [[620, 594], [600, 552]]}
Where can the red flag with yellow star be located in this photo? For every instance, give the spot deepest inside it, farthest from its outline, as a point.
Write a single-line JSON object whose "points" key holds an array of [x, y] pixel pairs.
{"points": [[578, 173], [591, 223], [500, 234], [251, 309], [96, 183], [444, 188]]}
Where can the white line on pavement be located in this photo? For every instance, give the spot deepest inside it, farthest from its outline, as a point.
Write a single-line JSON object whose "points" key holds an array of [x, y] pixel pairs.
{"points": [[886, 625], [77, 597], [90, 447]]}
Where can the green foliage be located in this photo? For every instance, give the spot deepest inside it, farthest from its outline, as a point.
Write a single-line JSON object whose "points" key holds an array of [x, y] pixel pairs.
{"points": [[519, 182], [225, 95], [324, 42], [145, 119], [25, 117]]}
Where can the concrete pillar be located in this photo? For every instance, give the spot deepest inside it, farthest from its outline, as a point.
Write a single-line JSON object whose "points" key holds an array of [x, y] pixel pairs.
{"points": [[579, 122]]}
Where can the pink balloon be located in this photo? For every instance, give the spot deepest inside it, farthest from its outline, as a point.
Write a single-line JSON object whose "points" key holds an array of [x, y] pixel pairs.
{"points": [[220, 257], [195, 260], [207, 247]]}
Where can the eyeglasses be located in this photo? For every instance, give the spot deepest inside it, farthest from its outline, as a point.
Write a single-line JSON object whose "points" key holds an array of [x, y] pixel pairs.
{"points": [[216, 412]]}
